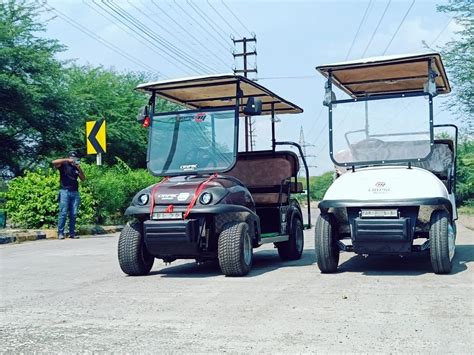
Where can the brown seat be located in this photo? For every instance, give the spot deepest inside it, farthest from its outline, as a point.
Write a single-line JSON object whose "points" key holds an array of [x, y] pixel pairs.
{"points": [[264, 173]]}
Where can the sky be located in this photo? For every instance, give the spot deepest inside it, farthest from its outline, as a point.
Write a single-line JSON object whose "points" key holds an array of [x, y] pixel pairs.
{"points": [[293, 37]]}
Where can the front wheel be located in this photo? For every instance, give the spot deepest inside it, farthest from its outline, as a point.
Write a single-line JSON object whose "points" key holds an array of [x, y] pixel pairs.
{"points": [[133, 255], [235, 249], [293, 248], [325, 244], [442, 242]]}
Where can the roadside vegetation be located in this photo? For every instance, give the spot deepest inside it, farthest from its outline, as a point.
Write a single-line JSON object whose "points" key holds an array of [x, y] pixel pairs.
{"points": [[45, 102]]}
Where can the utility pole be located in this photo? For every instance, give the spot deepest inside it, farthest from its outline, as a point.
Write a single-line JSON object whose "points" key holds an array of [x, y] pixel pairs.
{"points": [[303, 145], [249, 130]]}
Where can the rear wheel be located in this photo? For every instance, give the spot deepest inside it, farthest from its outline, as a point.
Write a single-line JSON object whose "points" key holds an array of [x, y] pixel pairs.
{"points": [[133, 255], [442, 242], [235, 249], [325, 244], [293, 248]]}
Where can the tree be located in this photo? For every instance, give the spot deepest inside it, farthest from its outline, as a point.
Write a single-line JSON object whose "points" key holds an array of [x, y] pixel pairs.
{"points": [[459, 57], [465, 173], [33, 98], [106, 94]]}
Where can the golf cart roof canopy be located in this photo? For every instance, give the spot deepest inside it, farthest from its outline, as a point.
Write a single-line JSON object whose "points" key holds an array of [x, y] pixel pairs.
{"points": [[217, 91], [387, 75]]}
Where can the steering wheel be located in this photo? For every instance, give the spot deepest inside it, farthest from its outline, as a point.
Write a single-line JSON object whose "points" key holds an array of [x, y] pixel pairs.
{"points": [[199, 156], [370, 149]]}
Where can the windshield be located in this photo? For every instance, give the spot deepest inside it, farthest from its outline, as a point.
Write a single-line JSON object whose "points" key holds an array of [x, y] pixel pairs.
{"points": [[381, 131], [192, 142]]}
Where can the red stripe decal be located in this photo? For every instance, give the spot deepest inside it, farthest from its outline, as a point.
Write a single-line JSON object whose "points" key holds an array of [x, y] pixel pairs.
{"points": [[196, 195]]}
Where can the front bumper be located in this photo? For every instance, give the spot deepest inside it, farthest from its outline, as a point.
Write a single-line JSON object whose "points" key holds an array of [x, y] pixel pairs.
{"points": [[382, 235], [198, 209], [172, 239]]}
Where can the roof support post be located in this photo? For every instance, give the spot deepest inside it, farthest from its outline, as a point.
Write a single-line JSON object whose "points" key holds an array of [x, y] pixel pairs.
{"points": [[238, 97], [329, 105], [273, 127]]}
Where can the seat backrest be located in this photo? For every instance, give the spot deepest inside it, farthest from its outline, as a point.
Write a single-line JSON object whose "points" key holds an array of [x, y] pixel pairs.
{"points": [[440, 160], [256, 169]]}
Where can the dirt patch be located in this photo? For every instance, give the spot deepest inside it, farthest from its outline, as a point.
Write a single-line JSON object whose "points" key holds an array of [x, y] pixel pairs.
{"points": [[467, 221]]}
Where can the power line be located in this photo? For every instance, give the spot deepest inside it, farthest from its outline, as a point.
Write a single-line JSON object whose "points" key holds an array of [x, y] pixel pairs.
{"points": [[315, 121], [208, 20], [442, 31], [289, 77], [188, 33], [101, 40], [398, 28], [376, 28], [207, 67], [149, 43], [358, 29], [223, 19], [202, 27], [159, 39], [235, 16], [131, 34], [177, 55]]}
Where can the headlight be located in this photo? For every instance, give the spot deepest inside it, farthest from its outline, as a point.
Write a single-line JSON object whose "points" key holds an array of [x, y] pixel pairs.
{"points": [[143, 199], [205, 198]]}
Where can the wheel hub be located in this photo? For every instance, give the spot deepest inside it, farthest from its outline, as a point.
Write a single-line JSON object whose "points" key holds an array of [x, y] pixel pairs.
{"points": [[247, 249], [451, 242]]}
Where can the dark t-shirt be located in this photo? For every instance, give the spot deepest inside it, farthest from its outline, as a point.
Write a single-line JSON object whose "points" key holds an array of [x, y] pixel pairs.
{"points": [[68, 177]]}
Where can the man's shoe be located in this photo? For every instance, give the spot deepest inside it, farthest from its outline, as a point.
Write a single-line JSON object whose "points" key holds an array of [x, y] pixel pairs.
{"points": [[61, 236], [74, 237]]}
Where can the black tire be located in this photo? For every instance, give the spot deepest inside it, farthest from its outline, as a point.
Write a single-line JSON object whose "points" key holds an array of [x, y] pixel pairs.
{"points": [[441, 261], [325, 244], [234, 245], [293, 248], [133, 256]]}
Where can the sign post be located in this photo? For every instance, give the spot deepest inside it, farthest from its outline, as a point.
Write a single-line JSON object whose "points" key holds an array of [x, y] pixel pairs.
{"points": [[95, 139]]}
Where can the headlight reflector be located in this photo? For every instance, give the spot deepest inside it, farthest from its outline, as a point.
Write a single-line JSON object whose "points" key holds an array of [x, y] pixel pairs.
{"points": [[206, 198], [143, 199]]}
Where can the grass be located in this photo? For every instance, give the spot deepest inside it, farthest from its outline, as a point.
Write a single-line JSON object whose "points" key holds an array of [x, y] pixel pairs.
{"points": [[467, 210]]}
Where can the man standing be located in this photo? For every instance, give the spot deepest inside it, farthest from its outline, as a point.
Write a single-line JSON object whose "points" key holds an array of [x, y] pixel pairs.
{"points": [[69, 199]]}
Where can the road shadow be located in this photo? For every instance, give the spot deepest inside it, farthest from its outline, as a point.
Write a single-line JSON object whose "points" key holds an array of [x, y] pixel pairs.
{"points": [[413, 264], [263, 261]]}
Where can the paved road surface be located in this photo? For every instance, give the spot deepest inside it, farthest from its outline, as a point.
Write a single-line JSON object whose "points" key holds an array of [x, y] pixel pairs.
{"points": [[71, 296]]}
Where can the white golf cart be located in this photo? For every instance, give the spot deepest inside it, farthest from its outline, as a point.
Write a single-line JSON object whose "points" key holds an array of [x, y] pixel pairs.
{"points": [[395, 186]]}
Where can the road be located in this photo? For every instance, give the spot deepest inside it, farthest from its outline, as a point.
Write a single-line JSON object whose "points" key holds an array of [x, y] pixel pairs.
{"points": [[71, 296]]}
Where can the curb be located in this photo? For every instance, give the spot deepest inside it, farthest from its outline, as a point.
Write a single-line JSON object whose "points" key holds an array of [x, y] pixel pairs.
{"points": [[23, 235]]}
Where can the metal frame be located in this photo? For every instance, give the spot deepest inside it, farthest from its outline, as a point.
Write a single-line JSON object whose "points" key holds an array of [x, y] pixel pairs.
{"points": [[328, 89], [308, 197]]}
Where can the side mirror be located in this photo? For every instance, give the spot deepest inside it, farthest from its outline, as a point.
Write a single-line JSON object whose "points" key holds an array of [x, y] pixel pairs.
{"points": [[253, 107], [329, 97]]}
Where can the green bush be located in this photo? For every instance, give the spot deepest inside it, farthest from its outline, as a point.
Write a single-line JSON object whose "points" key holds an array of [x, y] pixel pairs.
{"points": [[318, 186], [113, 188], [32, 200], [465, 174]]}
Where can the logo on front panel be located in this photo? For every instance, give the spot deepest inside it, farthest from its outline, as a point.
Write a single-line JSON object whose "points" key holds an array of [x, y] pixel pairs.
{"points": [[379, 188]]}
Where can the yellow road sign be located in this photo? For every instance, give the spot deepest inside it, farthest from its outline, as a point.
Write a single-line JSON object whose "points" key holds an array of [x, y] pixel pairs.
{"points": [[95, 137]]}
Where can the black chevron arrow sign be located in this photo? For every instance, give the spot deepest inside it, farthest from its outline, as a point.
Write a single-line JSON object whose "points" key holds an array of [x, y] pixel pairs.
{"points": [[95, 132]]}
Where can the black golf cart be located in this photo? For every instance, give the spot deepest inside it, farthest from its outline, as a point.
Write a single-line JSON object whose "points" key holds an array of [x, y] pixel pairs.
{"points": [[214, 203]]}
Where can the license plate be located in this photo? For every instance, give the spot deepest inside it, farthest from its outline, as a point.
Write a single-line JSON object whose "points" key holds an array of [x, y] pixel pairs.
{"points": [[379, 213], [167, 215]]}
